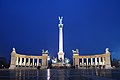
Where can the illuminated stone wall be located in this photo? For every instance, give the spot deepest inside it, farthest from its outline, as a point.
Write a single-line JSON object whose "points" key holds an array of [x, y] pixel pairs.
{"points": [[19, 60], [100, 60]]}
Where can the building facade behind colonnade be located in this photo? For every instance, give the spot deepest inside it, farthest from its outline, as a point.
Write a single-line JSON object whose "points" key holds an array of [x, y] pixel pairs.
{"points": [[92, 61], [28, 61]]}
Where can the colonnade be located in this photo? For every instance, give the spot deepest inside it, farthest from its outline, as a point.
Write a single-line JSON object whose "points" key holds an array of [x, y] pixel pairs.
{"points": [[19, 60], [100, 60], [91, 61], [23, 61]]}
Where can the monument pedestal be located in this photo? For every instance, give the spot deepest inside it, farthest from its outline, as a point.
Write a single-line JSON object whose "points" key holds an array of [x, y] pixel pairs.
{"points": [[61, 61], [61, 56], [60, 65], [44, 67]]}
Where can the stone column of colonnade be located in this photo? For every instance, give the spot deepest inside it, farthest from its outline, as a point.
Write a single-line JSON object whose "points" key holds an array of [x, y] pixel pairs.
{"points": [[86, 61], [28, 61], [37, 61], [24, 61], [103, 60], [33, 62], [17, 63], [20, 61], [95, 60], [99, 60], [91, 61], [82, 61]]}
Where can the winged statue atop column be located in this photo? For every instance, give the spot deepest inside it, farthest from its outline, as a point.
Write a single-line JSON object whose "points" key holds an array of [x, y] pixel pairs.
{"points": [[60, 19]]}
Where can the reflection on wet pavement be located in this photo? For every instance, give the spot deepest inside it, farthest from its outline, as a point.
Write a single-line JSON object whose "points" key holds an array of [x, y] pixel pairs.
{"points": [[60, 74]]}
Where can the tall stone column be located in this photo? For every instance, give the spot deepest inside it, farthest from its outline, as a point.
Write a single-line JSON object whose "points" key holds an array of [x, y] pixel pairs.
{"points": [[60, 53], [60, 39], [91, 61]]}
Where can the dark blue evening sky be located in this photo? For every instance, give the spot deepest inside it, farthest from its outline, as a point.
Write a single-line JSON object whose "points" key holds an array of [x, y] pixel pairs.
{"points": [[32, 25]]}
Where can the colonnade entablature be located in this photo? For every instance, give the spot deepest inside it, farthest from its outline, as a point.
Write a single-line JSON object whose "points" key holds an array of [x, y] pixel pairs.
{"points": [[90, 61], [20, 60]]}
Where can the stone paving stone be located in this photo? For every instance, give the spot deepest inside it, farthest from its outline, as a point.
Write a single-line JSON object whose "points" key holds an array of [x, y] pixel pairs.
{"points": [[60, 74]]}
